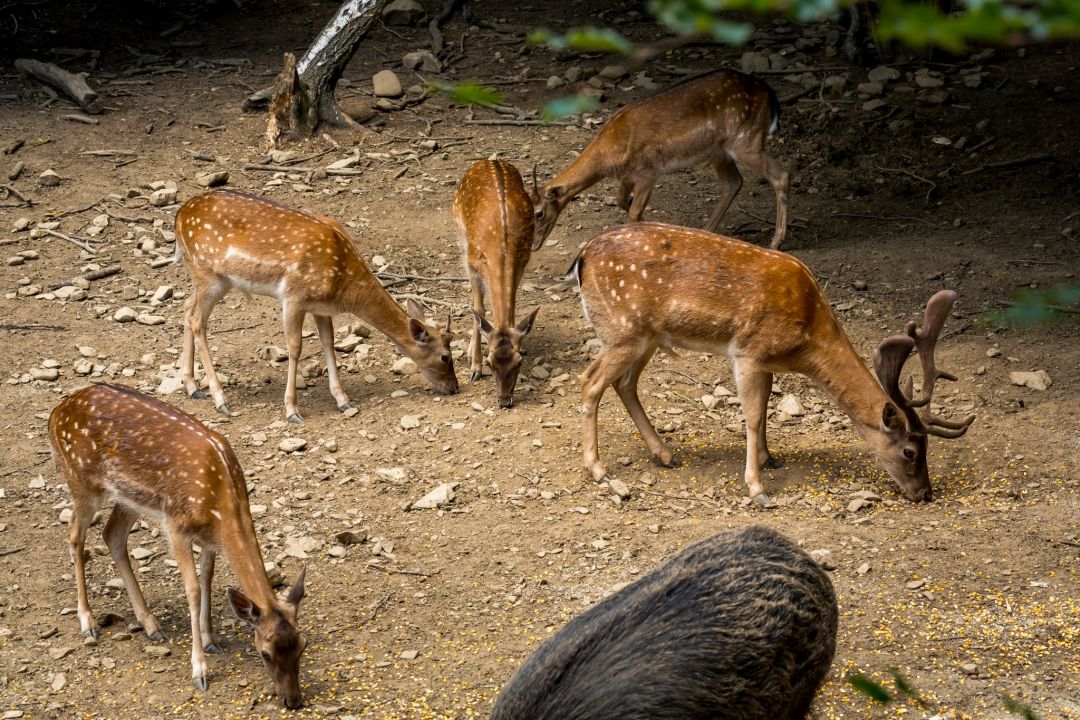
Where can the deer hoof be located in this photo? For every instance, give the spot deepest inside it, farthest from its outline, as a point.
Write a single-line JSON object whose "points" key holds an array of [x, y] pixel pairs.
{"points": [[295, 419], [771, 463], [202, 684], [224, 409], [764, 502], [91, 633], [476, 375], [198, 395], [157, 636], [345, 407], [214, 649]]}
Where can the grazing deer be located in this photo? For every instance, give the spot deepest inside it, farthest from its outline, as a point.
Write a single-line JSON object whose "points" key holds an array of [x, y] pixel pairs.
{"points": [[147, 457], [740, 625], [230, 239], [494, 214], [720, 118], [650, 286]]}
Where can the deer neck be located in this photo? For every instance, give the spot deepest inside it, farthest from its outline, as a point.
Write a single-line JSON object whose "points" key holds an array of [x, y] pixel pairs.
{"points": [[241, 548], [367, 299], [587, 170], [839, 370]]}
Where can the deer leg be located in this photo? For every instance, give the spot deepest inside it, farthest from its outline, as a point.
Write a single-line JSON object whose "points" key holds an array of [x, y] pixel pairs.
{"points": [[115, 535], [603, 371], [643, 187], [201, 305], [181, 548], [81, 517], [730, 184], [625, 190], [476, 356], [778, 177], [754, 385], [325, 327], [626, 387], [294, 325], [206, 622]]}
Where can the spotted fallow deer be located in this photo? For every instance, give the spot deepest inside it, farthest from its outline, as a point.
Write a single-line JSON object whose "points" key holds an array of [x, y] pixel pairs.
{"points": [[720, 119], [230, 239], [495, 217], [652, 286], [117, 445]]}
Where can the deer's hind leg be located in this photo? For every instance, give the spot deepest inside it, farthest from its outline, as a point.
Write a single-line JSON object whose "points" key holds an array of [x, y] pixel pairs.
{"points": [[626, 387], [81, 517], [116, 534]]}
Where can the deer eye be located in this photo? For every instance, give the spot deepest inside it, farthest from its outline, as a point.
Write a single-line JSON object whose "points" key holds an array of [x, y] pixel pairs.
{"points": [[265, 655], [446, 359], [909, 453]]}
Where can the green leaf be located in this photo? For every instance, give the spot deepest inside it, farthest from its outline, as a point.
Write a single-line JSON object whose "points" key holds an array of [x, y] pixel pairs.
{"points": [[869, 688], [469, 92], [585, 39], [904, 688], [567, 107]]}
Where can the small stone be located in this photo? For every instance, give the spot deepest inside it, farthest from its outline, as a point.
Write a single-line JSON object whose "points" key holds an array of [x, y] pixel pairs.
{"points": [[336, 551], [125, 314], [871, 88], [540, 373], [386, 84], [70, 293], [1038, 380], [282, 156], [554, 82], [410, 654], [754, 61], [163, 293], [969, 669], [352, 537], [49, 178], [351, 412], [141, 553], [410, 422], [403, 12], [169, 385], [858, 504], [212, 179], [993, 352], [163, 197], [612, 72], [20, 224], [157, 650], [823, 558], [790, 404], [619, 488], [60, 653], [883, 74], [926, 78], [709, 401], [403, 366], [422, 59], [875, 104], [45, 374], [59, 681], [914, 584], [148, 319], [442, 495], [863, 569], [65, 515], [292, 444], [16, 260], [573, 73]]}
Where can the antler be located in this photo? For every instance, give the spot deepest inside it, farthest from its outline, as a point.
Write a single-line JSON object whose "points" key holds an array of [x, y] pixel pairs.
{"points": [[889, 359], [925, 341]]}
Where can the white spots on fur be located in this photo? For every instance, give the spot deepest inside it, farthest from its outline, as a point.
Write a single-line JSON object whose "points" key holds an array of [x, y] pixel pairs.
{"points": [[645, 273]]}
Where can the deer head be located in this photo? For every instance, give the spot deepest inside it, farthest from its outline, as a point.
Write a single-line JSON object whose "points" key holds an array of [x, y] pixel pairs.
{"points": [[901, 441], [277, 638], [505, 353], [431, 352]]}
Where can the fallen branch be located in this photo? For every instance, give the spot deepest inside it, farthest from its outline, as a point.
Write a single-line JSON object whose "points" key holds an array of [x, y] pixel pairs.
{"points": [[9, 191], [1033, 262], [375, 611], [30, 326], [395, 276], [920, 178], [99, 274], [263, 167], [1025, 160], [386, 569], [1055, 308], [83, 243], [881, 217], [434, 27], [74, 86], [514, 122], [422, 299], [81, 119], [12, 551]]}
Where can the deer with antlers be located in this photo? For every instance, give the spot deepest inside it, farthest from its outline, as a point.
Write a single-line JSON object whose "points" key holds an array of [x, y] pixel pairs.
{"points": [[230, 239], [495, 217], [721, 118], [652, 286], [116, 444]]}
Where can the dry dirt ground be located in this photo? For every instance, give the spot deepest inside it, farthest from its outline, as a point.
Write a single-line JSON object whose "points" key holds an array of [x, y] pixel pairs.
{"points": [[986, 576]]}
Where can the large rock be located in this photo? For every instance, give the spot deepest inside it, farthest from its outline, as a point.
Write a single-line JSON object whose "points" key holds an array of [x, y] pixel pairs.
{"points": [[1038, 380], [403, 12], [883, 74], [754, 61], [386, 84], [422, 60], [790, 404]]}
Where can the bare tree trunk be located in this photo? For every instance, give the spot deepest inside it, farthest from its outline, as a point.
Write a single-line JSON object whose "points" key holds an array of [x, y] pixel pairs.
{"points": [[303, 95]]}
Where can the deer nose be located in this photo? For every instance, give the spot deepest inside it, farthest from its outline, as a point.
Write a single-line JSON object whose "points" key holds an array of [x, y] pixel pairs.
{"points": [[506, 402], [927, 495], [292, 702]]}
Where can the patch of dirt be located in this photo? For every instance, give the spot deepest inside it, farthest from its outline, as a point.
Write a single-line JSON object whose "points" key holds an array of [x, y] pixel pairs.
{"points": [[529, 541]]}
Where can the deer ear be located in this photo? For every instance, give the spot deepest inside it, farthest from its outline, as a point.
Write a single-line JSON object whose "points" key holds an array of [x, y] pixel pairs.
{"points": [[534, 191], [414, 310], [892, 419], [418, 331], [244, 608], [483, 324], [525, 325], [296, 592], [554, 192]]}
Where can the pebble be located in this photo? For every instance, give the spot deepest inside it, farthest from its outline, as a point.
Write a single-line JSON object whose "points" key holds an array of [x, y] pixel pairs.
{"points": [[141, 553], [969, 669], [351, 537], [163, 293], [403, 366], [70, 292], [410, 422], [59, 681], [157, 650], [824, 558], [709, 401], [292, 444], [790, 404], [863, 569], [336, 551], [753, 61], [619, 488], [212, 179], [612, 72], [421, 59], [540, 373], [442, 495], [403, 12], [20, 224], [883, 74], [1038, 380], [15, 260], [871, 88], [125, 314], [46, 374], [993, 352], [914, 584], [49, 178], [60, 653], [554, 82], [386, 84], [410, 654], [163, 197], [148, 319]]}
